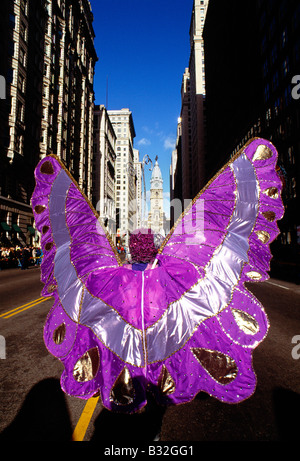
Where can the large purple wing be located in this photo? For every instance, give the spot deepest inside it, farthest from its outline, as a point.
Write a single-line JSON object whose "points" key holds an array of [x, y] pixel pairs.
{"points": [[238, 209], [69, 226], [221, 241], [189, 325]]}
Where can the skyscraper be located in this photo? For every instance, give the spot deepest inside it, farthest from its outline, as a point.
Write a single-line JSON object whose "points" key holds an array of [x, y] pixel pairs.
{"points": [[139, 185], [192, 145], [49, 73], [156, 217], [104, 159], [197, 100], [252, 51], [125, 194]]}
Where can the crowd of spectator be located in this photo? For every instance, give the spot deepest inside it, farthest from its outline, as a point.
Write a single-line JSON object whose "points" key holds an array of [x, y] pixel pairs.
{"points": [[20, 257]]}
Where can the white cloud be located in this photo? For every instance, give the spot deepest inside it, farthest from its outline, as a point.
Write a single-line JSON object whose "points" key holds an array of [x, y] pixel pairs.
{"points": [[169, 142], [147, 129], [144, 142]]}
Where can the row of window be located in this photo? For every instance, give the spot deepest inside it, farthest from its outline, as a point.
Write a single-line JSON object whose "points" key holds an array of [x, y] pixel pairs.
{"points": [[284, 100]]}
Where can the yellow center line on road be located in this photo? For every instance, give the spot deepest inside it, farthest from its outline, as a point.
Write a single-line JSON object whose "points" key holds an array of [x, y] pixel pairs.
{"points": [[84, 420], [22, 308]]}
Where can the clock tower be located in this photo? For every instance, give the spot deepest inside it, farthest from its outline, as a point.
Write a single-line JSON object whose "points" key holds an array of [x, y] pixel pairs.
{"points": [[156, 218]]}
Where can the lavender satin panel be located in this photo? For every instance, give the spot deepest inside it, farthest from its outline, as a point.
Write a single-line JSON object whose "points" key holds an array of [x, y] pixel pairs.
{"points": [[211, 294], [120, 337], [69, 287], [78, 303]]}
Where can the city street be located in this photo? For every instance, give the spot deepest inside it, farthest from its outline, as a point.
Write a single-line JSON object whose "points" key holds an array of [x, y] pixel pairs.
{"points": [[33, 407]]}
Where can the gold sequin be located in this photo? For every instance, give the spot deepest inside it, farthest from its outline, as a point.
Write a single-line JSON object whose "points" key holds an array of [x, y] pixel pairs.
{"points": [[166, 384], [59, 334], [221, 367], [87, 366], [51, 288], [39, 209], [48, 246], [271, 192], [122, 392], [262, 153], [245, 322], [263, 236], [47, 168], [269, 215], [254, 275]]}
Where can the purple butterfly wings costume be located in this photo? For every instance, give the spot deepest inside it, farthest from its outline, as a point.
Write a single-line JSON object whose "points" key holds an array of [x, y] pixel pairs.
{"points": [[186, 326]]}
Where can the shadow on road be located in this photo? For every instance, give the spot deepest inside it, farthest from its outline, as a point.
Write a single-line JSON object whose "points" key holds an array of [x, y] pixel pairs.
{"points": [[43, 416], [287, 411], [143, 426]]}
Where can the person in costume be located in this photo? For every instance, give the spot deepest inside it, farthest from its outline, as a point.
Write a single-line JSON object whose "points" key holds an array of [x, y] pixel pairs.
{"points": [[143, 248], [185, 325]]}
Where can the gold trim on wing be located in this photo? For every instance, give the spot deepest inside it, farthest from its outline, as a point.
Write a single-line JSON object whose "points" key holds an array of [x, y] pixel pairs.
{"points": [[234, 157], [166, 383], [263, 236], [263, 152], [269, 216], [245, 322], [221, 367], [91, 207], [272, 192], [122, 392]]}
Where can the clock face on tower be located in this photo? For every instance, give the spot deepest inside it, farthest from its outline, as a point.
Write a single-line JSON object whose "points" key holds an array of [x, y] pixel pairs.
{"points": [[156, 184]]}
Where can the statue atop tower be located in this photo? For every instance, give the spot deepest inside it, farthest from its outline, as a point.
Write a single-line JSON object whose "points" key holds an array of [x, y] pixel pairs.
{"points": [[156, 217]]}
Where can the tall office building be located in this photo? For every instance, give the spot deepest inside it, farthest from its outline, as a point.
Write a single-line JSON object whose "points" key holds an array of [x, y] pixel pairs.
{"points": [[233, 78], [49, 69], [176, 196], [139, 184], [125, 193], [67, 93], [250, 93], [193, 121], [104, 159], [22, 37], [186, 138], [197, 121], [156, 217]]}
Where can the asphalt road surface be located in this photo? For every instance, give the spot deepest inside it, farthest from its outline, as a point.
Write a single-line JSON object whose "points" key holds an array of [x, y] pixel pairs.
{"points": [[33, 407]]}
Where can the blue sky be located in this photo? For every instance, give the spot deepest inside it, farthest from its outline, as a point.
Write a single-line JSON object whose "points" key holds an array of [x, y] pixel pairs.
{"points": [[143, 49]]}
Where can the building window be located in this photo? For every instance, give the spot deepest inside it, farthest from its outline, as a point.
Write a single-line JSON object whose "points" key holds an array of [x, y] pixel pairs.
{"points": [[22, 57], [267, 92], [284, 37], [277, 106], [275, 81], [19, 144], [23, 5], [288, 95], [286, 66], [10, 75], [23, 31], [20, 112], [21, 81], [11, 48], [293, 188], [274, 55], [297, 50], [266, 68], [12, 21], [272, 28], [291, 155]]}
